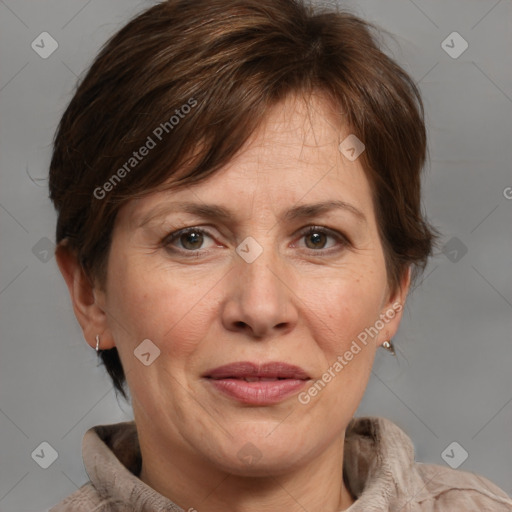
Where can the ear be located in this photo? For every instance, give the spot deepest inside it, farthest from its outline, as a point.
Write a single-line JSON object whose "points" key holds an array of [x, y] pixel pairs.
{"points": [[391, 313], [86, 296]]}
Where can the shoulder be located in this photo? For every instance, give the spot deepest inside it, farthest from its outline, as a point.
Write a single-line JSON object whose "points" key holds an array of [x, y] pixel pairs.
{"points": [[449, 489], [85, 499]]}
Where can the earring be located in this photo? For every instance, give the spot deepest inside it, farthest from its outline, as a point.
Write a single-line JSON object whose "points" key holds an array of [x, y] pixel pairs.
{"points": [[388, 345], [97, 343]]}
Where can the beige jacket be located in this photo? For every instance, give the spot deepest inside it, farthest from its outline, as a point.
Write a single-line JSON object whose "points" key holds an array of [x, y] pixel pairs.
{"points": [[379, 470]]}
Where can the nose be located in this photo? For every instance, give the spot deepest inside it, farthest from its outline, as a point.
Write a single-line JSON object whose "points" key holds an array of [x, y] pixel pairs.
{"points": [[260, 301]]}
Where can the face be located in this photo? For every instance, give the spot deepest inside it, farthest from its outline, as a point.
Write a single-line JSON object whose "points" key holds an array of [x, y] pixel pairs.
{"points": [[272, 266]]}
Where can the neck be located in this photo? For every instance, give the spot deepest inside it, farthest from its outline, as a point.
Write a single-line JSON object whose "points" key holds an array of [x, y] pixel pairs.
{"points": [[198, 486]]}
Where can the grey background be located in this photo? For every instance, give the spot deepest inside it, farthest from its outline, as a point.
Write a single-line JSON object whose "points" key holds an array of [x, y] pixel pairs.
{"points": [[452, 380]]}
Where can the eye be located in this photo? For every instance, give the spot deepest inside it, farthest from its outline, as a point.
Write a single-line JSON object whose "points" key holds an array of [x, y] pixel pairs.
{"points": [[195, 240], [319, 238], [189, 239]]}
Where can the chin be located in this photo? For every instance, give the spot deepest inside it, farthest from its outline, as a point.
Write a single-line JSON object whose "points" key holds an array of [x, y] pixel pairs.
{"points": [[264, 464], [262, 455]]}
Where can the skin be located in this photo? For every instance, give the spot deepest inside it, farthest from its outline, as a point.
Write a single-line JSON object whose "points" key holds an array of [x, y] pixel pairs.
{"points": [[302, 301]]}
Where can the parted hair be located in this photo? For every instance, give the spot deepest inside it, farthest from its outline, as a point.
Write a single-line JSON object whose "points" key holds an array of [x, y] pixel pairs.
{"points": [[190, 81]]}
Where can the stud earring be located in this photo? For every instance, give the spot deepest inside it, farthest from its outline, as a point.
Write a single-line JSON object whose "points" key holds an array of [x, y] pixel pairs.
{"points": [[388, 345]]}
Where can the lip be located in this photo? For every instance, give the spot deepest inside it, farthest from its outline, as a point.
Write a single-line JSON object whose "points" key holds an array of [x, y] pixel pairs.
{"points": [[257, 383]]}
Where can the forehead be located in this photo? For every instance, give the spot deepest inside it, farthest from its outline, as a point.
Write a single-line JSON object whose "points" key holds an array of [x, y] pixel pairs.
{"points": [[297, 132], [293, 157]]}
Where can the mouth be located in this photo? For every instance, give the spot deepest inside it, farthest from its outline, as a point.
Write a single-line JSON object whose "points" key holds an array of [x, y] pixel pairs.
{"points": [[257, 383]]}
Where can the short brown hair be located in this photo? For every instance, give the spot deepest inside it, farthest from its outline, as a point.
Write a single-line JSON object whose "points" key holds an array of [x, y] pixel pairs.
{"points": [[230, 61]]}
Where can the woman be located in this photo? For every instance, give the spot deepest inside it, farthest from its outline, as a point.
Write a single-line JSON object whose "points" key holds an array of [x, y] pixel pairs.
{"points": [[239, 222]]}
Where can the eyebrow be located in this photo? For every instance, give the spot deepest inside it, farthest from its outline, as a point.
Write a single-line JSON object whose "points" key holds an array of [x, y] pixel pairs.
{"points": [[220, 213], [316, 209]]}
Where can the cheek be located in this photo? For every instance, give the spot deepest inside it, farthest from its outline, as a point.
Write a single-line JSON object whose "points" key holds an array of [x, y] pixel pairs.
{"points": [[151, 303], [337, 320], [340, 311], [343, 306]]}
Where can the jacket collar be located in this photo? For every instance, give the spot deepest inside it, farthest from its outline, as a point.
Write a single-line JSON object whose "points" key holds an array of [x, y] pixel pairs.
{"points": [[378, 467]]}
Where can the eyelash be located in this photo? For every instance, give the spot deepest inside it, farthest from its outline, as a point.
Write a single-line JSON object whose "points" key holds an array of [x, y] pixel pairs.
{"points": [[172, 237]]}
